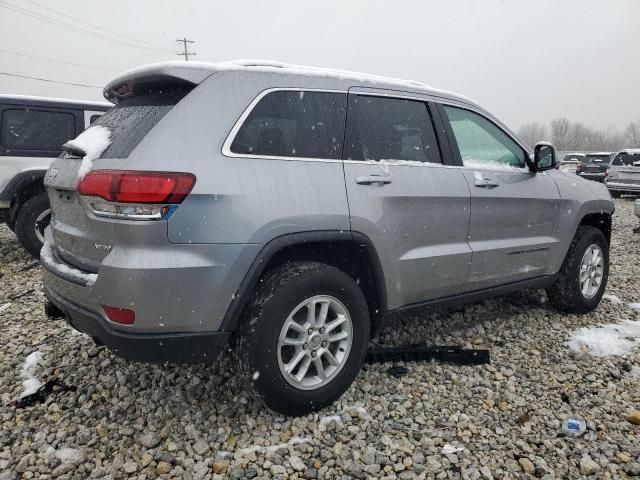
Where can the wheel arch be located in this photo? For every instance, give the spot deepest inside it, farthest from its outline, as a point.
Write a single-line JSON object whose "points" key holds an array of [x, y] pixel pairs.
{"points": [[351, 252], [21, 187], [600, 220]]}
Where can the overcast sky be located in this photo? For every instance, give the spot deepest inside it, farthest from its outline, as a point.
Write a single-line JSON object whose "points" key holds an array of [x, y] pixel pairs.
{"points": [[530, 60]]}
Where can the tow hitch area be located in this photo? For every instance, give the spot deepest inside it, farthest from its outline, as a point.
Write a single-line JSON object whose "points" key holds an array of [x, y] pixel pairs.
{"points": [[52, 312], [420, 353]]}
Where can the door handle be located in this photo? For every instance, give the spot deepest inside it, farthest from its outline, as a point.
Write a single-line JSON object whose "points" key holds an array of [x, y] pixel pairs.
{"points": [[486, 183], [373, 180]]}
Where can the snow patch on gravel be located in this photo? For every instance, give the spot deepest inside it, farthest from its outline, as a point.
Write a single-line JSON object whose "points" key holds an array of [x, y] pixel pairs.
{"points": [[324, 421], [612, 339], [448, 449], [30, 383], [613, 299], [635, 306], [67, 455]]}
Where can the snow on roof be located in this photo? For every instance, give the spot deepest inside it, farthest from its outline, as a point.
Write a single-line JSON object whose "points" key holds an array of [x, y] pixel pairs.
{"points": [[272, 66], [599, 153], [34, 98], [631, 151]]}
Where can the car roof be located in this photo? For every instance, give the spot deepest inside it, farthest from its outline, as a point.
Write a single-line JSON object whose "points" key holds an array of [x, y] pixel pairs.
{"points": [[598, 153], [53, 102], [196, 72], [631, 151]]}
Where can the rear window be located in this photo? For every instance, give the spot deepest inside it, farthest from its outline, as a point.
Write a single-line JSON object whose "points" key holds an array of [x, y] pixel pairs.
{"points": [[596, 158], [40, 130], [133, 118], [624, 159], [294, 124]]}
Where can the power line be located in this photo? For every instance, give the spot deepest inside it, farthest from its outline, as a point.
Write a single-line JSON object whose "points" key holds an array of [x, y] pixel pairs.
{"points": [[118, 67], [68, 26], [97, 27], [54, 61], [186, 53], [48, 80]]}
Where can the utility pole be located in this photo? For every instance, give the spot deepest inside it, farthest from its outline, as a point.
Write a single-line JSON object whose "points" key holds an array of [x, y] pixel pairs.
{"points": [[186, 53]]}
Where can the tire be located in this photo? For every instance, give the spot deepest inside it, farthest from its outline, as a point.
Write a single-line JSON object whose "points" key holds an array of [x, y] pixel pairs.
{"points": [[566, 293], [28, 216], [260, 358], [615, 194]]}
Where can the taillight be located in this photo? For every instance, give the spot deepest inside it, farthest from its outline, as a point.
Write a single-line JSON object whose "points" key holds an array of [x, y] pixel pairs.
{"points": [[578, 168], [122, 316], [134, 194], [606, 172]]}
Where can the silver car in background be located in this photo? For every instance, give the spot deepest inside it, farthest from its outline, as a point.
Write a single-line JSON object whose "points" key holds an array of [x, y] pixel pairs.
{"points": [[290, 212], [623, 172], [570, 162]]}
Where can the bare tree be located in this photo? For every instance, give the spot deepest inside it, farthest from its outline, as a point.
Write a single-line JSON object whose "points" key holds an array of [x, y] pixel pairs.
{"points": [[632, 134], [532, 133], [560, 133], [579, 137], [576, 136]]}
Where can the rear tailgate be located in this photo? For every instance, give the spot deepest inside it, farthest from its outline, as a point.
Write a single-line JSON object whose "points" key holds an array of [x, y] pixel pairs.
{"points": [[79, 236], [625, 169], [595, 164]]}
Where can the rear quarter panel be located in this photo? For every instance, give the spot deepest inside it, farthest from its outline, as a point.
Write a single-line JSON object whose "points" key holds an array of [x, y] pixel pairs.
{"points": [[240, 200]]}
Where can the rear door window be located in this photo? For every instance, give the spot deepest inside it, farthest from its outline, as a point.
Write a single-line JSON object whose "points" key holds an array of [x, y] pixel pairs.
{"points": [[482, 143], [36, 130], [294, 124], [382, 128]]}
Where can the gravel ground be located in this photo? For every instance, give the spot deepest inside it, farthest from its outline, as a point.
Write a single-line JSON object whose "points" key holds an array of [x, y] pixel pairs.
{"points": [[439, 421]]}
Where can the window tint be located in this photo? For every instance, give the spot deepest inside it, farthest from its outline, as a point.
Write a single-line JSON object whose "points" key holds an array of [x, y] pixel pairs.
{"points": [[294, 124], [36, 129], [381, 128], [482, 143]]}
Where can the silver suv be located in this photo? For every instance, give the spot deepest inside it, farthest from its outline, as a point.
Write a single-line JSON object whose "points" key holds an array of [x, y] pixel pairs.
{"points": [[290, 211], [623, 172]]}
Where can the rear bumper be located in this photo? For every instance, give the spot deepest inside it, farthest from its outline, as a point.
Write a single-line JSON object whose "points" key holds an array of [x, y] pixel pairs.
{"points": [[597, 177], [139, 347], [622, 187]]}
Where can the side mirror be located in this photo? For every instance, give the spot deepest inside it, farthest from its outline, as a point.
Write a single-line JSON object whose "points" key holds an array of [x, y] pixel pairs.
{"points": [[544, 156]]}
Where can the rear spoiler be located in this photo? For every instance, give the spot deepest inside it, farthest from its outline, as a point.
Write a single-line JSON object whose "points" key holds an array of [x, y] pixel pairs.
{"points": [[175, 74]]}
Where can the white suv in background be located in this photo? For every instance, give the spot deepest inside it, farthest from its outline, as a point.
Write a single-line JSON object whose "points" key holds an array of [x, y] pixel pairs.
{"points": [[32, 131]]}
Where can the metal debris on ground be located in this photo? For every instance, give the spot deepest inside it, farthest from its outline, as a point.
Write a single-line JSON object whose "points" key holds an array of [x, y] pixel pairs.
{"points": [[23, 294], [52, 386], [420, 353], [398, 371]]}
